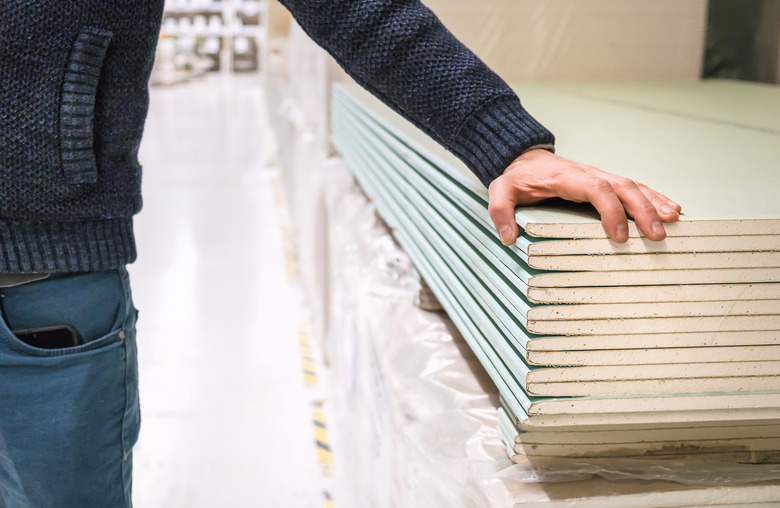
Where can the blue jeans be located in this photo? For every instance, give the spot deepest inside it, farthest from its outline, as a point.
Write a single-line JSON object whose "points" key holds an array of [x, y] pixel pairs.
{"points": [[69, 416]]}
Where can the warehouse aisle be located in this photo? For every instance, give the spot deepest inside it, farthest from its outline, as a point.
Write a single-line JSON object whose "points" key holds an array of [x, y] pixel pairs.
{"points": [[226, 415]]}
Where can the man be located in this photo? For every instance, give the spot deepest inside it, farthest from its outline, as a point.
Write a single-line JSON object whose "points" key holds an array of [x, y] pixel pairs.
{"points": [[72, 109]]}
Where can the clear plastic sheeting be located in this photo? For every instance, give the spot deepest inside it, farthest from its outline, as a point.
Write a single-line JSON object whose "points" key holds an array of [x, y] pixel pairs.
{"points": [[415, 410], [686, 472]]}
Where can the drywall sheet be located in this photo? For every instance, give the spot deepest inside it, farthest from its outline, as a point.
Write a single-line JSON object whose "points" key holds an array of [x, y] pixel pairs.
{"points": [[460, 204], [654, 355], [730, 343], [648, 294], [725, 370], [501, 372], [693, 442], [584, 125], [657, 261], [498, 287], [382, 174], [753, 106], [440, 221], [667, 386], [757, 243], [509, 267], [660, 309]]}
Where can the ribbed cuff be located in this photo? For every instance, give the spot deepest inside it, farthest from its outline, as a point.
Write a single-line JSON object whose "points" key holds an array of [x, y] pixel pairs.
{"points": [[495, 135], [32, 247]]}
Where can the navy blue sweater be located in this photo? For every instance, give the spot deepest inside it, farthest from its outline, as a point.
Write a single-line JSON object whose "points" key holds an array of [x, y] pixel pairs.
{"points": [[74, 98]]}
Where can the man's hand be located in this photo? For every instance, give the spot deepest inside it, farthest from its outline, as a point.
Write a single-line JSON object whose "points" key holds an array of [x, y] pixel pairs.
{"points": [[538, 174]]}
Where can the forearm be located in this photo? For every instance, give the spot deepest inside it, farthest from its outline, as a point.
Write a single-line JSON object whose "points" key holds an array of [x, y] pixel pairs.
{"points": [[400, 51]]}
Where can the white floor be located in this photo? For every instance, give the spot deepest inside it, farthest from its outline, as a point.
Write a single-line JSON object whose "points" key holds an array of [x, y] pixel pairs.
{"points": [[226, 415]]}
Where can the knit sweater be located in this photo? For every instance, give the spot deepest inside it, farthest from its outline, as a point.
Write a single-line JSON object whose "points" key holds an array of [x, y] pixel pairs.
{"points": [[74, 99]]}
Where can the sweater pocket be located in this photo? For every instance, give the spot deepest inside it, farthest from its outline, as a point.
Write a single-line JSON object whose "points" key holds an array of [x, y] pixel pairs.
{"points": [[77, 108]]}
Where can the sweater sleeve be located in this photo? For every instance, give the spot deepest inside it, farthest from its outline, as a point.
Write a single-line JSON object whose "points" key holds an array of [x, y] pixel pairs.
{"points": [[400, 51]]}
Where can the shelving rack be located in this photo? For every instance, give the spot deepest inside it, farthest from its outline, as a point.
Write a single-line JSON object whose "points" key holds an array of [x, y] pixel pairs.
{"points": [[230, 32]]}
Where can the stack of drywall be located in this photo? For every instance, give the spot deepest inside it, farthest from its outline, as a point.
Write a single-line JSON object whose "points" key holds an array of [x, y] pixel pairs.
{"points": [[652, 349]]}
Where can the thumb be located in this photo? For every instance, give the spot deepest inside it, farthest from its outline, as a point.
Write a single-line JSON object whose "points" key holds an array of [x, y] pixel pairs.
{"points": [[502, 210]]}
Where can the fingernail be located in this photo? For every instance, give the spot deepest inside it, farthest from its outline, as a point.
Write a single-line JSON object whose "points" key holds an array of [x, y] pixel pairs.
{"points": [[505, 233], [666, 210], [674, 205], [622, 232], [658, 229]]}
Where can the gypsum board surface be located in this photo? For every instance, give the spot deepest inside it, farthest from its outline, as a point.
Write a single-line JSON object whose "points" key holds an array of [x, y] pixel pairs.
{"points": [[702, 164], [616, 443], [506, 431], [473, 222], [508, 385], [708, 180], [657, 261], [655, 310], [458, 227], [674, 408], [669, 386], [638, 441], [747, 430], [534, 278], [433, 279], [674, 244], [497, 289], [656, 372], [673, 417], [635, 422], [510, 313], [654, 277], [675, 355], [386, 192], [515, 332], [656, 294], [694, 341], [455, 211], [528, 247], [737, 450], [655, 403], [638, 419], [411, 184], [754, 106], [424, 256], [536, 252], [653, 325]]}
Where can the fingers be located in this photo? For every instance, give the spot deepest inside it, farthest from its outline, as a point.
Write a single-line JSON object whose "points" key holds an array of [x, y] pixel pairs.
{"points": [[613, 215], [667, 210], [502, 210], [538, 174], [640, 208]]}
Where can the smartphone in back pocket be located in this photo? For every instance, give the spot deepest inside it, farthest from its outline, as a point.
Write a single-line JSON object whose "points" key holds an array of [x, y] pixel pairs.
{"points": [[50, 337]]}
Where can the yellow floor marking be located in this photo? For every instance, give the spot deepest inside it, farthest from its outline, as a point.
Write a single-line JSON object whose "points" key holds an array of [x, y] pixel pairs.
{"points": [[308, 364]]}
